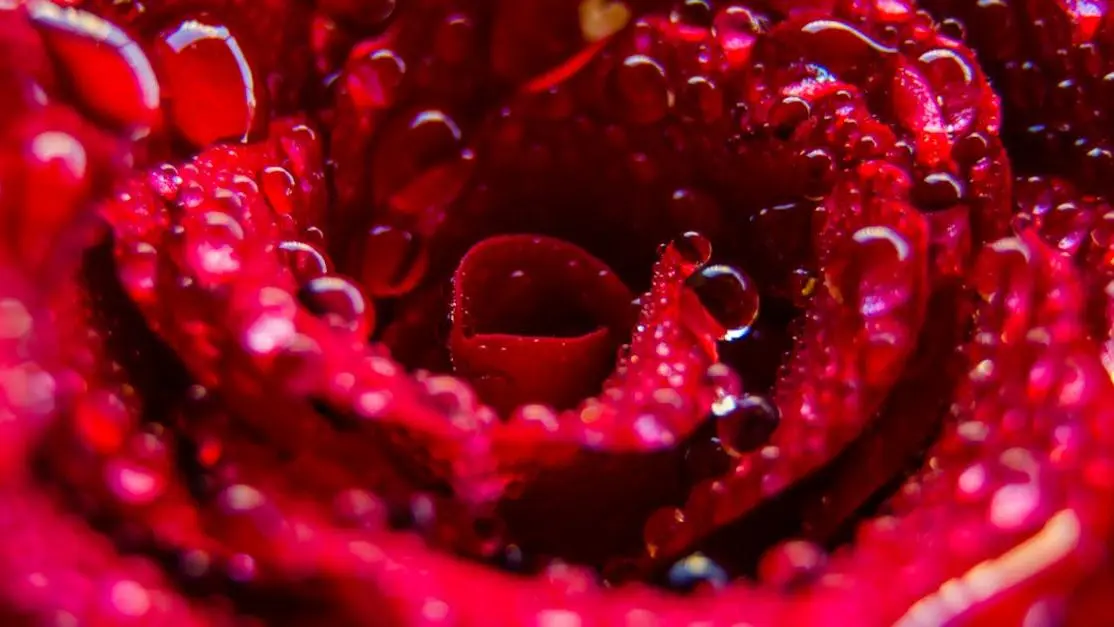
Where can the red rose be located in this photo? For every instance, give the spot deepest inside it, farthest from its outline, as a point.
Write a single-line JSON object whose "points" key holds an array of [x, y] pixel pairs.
{"points": [[555, 312]]}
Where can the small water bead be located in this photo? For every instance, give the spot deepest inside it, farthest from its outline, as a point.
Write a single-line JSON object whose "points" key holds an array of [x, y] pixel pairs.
{"points": [[340, 302], [729, 297], [166, 180], [937, 191], [744, 424], [696, 570], [391, 261], [792, 564], [692, 250]]}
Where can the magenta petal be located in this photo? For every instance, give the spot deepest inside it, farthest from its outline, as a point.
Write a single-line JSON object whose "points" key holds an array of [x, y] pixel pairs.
{"points": [[536, 319]]}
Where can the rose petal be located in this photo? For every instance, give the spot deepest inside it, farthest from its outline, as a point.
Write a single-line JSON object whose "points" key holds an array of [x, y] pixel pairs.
{"points": [[536, 320]]}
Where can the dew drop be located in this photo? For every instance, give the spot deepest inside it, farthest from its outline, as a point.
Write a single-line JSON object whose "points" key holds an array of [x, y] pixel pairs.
{"points": [[211, 90], [692, 250], [736, 28], [792, 563], [938, 190], [392, 261], [692, 12], [339, 302], [642, 89], [373, 78], [306, 260], [107, 71], [662, 525], [744, 424], [278, 187], [696, 570], [729, 297]]}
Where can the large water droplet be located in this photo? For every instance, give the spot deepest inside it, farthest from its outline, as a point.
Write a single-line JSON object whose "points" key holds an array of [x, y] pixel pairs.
{"points": [[306, 260], [744, 424], [107, 71], [339, 302], [938, 190], [210, 89], [729, 297], [642, 92], [692, 251], [736, 28], [391, 261]]}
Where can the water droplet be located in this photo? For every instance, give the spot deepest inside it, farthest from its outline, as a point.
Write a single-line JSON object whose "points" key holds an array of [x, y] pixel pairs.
{"points": [[278, 187], [729, 297], [792, 563], [373, 78], [744, 424], [818, 174], [642, 90], [211, 243], [937, 191], [108, 72], [736, 28], [410, 145], [692, 12], [306, 260], [339, 302], [692, 250], [696, 570], [392, 261], [874, 274], [210, 89], [701, 100], [662, 525]]}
